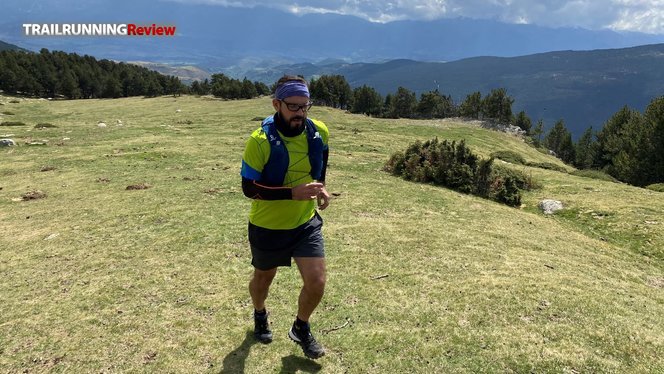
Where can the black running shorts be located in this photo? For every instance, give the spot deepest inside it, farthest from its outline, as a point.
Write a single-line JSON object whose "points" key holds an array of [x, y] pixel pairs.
{"points": [[272, 248]]}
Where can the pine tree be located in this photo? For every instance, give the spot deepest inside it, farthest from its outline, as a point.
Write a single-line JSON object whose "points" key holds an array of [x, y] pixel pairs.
{"points": [[523, 122], [248, 90], [366, 100], [471, 107], [610, 138], [585, 150], [498, 106], [559, 140], [434, 105], [262, 89], [655, 115], [403, 103], [69, 84], [112, 88]]}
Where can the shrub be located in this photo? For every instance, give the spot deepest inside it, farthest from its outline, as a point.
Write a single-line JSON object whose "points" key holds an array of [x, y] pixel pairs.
{"points": [[454, 166], [12, 123], [522, 180], [509, 156], [659, 187], [595, 174], [45, 126], [547, 166]]}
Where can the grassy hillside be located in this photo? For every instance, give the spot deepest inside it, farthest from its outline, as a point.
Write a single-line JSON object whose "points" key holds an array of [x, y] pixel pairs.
{"points": [[95, 277]]}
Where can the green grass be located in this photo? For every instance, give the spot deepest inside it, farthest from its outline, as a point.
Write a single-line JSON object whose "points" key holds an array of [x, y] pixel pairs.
{"points": [[95, 277]]}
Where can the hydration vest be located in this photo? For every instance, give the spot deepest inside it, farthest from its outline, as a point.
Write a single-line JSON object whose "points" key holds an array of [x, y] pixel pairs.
{"points": [[275, 170]]}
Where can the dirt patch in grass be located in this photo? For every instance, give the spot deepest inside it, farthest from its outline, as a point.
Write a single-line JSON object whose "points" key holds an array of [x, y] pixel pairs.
{"points": [[33, 195], [45, 126], [140, 186], [189, 179], [12, 123]]}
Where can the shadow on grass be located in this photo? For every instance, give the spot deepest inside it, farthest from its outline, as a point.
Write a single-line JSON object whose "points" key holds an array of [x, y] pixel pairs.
{"points": [[293, 364], [234, 362]]}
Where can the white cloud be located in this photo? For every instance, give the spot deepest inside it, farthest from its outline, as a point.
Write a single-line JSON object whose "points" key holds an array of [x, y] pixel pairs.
{"points": [[640, 15], [625, 15]]}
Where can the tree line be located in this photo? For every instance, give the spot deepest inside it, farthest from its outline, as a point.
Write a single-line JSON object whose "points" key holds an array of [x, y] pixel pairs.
{"points": [[629, 147], [58, 74], [334, 91], [225, 87]]}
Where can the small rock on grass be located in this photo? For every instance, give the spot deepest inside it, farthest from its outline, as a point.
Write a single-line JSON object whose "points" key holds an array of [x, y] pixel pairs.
{"points": [[52, 236], [550, 206]]}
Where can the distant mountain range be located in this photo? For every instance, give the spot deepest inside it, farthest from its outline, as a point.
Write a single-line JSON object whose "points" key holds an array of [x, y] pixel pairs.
{"points": [[233, 40], [6, 46], [584, 88], [591, 79], [187, 74]]}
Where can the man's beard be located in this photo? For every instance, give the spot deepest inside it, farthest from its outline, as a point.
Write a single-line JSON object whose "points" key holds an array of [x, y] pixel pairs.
{"points": [[292, 120]]}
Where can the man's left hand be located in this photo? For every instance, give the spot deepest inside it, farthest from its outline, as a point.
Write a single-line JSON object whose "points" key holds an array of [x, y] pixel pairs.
{"points": [[323, 199]]}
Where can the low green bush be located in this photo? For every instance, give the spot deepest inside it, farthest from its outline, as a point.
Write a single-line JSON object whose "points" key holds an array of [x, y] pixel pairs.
{"points": [[547, 166], [523, 181], [594, 174], [509, 156], [454, 166], [659, 187]]}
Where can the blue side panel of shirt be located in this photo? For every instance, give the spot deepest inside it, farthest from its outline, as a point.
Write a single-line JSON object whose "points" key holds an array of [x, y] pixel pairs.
{"points": [[249, 172]]}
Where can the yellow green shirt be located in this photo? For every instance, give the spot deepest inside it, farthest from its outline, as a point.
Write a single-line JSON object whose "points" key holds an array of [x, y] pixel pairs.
{"points": [[282, 214]]}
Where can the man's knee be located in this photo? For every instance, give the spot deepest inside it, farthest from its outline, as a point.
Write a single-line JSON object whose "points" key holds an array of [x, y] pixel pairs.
{"points": [[264, 277], [315, 282]]}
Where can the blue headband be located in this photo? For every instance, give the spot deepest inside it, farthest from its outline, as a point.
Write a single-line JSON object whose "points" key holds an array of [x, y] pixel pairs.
{"points": [[291, 88]]}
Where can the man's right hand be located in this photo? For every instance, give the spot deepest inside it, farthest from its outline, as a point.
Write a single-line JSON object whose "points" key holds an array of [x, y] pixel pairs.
{"points": [[307, 191]]}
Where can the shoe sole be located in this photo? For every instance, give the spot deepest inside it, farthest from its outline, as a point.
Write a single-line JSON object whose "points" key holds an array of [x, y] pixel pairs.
{"points": [[263, 340], [299, 342]]}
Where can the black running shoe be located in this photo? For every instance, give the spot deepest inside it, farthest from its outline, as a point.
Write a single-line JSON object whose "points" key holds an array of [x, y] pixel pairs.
{"points": [[262, 331], [303, 337]]}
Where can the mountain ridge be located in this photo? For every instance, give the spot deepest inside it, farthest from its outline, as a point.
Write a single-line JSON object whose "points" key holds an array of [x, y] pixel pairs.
{"points": [[218, 38], [584, 88]]}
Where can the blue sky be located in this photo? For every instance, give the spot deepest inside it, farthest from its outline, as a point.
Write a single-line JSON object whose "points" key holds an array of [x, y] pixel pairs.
{"points": [[619, 15]]}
